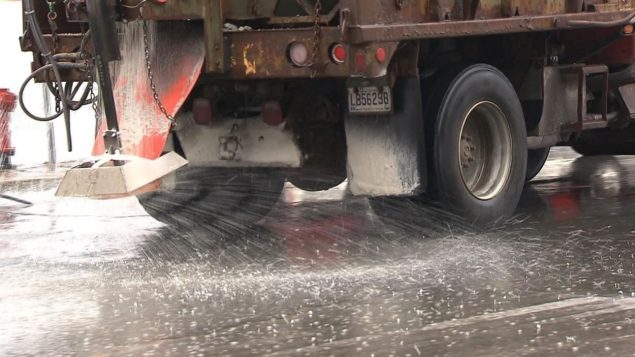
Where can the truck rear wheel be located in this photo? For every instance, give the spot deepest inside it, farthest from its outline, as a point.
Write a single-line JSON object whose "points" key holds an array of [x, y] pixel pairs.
{"points": [[536, 159], [214, 197], [478, 153]]}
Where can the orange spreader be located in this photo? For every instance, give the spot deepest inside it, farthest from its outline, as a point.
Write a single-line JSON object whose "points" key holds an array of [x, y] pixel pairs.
{"points": [[177, 56]]}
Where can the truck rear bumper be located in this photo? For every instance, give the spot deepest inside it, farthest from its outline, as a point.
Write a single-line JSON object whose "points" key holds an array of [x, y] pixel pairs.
{"points": [[263, 54], [238, 143]]}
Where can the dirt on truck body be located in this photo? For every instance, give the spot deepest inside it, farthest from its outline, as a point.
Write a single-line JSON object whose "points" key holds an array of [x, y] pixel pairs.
{"points": [[458, 101]]}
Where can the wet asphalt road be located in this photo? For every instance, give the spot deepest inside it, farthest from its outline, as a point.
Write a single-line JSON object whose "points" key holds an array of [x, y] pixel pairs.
{"points": [[326, 274]]}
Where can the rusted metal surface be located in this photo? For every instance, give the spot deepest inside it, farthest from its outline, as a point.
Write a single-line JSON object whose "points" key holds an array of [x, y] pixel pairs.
{"points": [[560, 106], [390, 20], [214, 44], [66, 43], [587, 120], [274, 11], [532, 7], [386, 11], [256, 55], [482, 10], [409, 31], [258, 49]]}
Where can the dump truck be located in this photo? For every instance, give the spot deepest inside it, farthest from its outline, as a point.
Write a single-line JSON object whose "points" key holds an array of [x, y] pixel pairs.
{"points": [[456, 101]]}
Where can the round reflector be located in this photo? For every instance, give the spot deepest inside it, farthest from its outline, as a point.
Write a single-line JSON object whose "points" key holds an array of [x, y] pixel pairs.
{"points": [[360, 61], [272, 113], [298, 54], [380, 55], [338, 53]]}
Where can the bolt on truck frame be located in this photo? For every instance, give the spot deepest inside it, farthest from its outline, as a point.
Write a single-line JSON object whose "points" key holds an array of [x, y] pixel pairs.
{"points": [[458, 99]]}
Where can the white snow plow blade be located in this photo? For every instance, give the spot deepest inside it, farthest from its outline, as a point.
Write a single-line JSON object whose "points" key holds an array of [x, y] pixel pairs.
{"points": [[118, 176]]}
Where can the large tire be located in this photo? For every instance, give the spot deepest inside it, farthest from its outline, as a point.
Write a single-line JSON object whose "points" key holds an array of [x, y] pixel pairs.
{"points": [[214, 196], [536, 160], [477, 149]]}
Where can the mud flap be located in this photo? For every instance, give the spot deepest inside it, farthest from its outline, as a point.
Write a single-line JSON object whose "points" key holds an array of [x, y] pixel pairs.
{"points": [[386, 153]]}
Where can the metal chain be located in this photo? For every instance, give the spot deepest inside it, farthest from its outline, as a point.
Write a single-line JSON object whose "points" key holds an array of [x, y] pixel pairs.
{"points": [[58, 99], [85, 56], [153, 87], [93, 98], [317, 31]]}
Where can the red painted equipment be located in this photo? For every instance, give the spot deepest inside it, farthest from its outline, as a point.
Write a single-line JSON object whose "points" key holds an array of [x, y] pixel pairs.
{"points": [[7, 104], [174, 82], [616, 45]]}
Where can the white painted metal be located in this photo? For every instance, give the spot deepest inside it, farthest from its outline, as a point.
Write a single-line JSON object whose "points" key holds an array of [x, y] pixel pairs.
{"points": [[238, 143], [104, 180]]}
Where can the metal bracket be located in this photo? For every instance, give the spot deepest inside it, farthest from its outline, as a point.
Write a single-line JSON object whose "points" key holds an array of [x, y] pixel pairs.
{"points": [[214, 37], [585, 119], [102, 25], [112, 142]]}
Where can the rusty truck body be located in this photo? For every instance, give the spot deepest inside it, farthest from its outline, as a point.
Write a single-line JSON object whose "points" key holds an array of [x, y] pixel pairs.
{"points": [[457, 100]]}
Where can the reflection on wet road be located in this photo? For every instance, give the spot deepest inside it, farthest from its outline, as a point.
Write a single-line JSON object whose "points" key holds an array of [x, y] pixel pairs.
{"points": [[327, 274]]}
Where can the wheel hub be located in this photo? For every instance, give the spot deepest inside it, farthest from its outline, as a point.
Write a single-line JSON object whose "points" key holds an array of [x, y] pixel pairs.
{"points": [[485, 150], [467, 151]]}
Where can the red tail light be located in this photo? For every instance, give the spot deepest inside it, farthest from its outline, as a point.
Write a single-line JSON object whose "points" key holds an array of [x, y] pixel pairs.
{"points": [[380, 55], [338, 53], [272, 113], [202, 110], [360, 61]]}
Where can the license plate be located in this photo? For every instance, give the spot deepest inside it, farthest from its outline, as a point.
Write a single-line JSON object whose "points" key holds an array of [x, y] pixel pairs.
{"points": [[362, 100]]}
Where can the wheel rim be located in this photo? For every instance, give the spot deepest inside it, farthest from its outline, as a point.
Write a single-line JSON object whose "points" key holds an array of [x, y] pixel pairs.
{"points": [[485, 150]]}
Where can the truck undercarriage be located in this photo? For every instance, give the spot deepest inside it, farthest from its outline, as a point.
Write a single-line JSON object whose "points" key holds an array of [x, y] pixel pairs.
{"points": [[459, 100]]}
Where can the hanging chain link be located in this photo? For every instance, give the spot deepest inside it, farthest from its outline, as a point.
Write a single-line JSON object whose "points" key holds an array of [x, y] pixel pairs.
{"points": [[153, 87], [317, 32], [58, 99], [91, 80], [93, 98]]}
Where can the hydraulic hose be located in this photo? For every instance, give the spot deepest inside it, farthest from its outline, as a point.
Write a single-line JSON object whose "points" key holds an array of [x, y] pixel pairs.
{"points": [[21, 96], [38, 39], [76, 105], [48, 67]]}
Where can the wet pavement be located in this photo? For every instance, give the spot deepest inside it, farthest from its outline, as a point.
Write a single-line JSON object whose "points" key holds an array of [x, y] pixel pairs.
{"points": [[326, 274]]}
